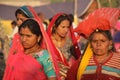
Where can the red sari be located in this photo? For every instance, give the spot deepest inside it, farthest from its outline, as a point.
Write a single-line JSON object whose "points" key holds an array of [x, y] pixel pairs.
{"points": [[61, 57]]}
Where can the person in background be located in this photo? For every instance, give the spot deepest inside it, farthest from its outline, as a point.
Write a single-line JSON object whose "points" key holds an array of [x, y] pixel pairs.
{"points": [[104, 63], [116, 36], [22, 14], [35, 62], [64, 41], [14, 29], [4, 49]]}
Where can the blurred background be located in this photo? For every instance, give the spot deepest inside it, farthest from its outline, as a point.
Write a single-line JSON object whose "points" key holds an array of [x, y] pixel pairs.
{"points": [[79, 8]]}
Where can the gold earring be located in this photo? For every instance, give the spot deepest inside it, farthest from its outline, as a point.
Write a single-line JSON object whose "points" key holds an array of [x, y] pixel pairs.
{"points": [[110, 47], [38, 40]]}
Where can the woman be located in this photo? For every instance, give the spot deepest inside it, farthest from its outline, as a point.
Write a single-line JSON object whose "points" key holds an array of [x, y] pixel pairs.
{"points": [[34, 63], [22, 14], [104, 64], [64, 41]]}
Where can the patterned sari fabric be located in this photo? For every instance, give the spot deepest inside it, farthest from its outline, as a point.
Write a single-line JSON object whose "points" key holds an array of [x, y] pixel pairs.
{"points": [[71, 41], [63, 54]]}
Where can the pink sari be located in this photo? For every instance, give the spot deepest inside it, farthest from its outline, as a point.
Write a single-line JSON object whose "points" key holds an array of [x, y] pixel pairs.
{"points": [[23, 67]]}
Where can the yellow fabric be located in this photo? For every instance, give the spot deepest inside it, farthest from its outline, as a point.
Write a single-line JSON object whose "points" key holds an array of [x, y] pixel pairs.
{"points": [[84, 62]]}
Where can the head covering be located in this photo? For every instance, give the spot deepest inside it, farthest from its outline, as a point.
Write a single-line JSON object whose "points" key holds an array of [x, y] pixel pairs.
{"points": [[17, 54], [26, 10], [104, 19], [74, 40], [106, 16], [92, 24]]}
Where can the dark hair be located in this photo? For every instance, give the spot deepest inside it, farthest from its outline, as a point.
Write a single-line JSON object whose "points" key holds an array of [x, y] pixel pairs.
{"points": [[33, 26], [106, 33], [14, 22], [59, 20], [71, 17], [19, 11]]}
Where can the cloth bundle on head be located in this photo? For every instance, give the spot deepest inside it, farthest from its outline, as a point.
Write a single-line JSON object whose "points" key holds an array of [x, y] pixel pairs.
{"points": [[86, 27], [106, 16], [103, 19]]}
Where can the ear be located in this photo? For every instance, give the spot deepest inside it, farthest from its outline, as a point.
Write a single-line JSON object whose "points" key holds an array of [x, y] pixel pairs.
{"points": [[39, 38]]}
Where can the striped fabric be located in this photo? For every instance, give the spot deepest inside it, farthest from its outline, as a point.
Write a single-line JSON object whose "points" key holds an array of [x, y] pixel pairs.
{"points": [[108, 70]]}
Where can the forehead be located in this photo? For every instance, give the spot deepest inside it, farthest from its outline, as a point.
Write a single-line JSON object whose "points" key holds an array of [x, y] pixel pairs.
{"points": [[25, 30], [21, 16], [98, 36], [65, 22]]}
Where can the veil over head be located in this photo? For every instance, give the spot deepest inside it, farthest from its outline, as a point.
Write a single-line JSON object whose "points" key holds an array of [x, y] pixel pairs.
{"points": [[71, 33], [20, 62]]}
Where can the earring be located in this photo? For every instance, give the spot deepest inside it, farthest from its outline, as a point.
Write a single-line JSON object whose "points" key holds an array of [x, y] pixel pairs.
{"points": [[38, 40], [110, 47]]}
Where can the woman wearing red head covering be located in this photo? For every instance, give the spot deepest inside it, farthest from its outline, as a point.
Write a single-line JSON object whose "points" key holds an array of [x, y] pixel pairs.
{"points": [[64, 41], [17, 57], [99, 62]]}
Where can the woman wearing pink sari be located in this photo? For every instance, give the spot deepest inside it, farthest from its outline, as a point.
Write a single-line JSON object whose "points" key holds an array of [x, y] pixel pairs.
{"points": [[20, 66], [64, 42], [34, 63]]}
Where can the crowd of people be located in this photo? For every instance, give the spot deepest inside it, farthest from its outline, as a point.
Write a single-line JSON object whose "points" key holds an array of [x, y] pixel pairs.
{"points": [[41, 50]]}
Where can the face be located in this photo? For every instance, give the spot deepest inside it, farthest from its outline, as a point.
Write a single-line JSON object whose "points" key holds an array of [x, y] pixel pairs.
{"points": [[20, 19], [100, 44], [63, 28], [28, 39]]}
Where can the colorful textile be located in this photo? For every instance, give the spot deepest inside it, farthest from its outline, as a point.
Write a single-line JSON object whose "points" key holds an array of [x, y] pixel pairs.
{"points": [[23, 67], [103, 19], [44, 59], [108, 16], [26, 10], [32, 66], [48, 44], [73, 39], [108, 70]]}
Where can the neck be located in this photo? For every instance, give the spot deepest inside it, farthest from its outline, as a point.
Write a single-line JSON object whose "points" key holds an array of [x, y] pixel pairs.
{"points": [[58, 40], [32, 50], [102, 58], [58, 37]]}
